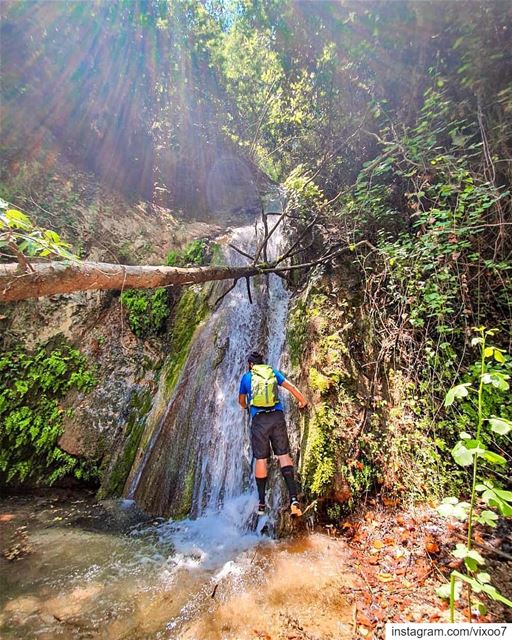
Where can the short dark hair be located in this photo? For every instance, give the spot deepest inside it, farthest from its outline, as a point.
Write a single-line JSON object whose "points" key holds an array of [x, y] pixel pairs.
{"points": [[255, 358]]}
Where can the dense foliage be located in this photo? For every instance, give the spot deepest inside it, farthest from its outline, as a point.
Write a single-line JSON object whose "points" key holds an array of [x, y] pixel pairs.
{"points": [[33, 385], [147, 310]]}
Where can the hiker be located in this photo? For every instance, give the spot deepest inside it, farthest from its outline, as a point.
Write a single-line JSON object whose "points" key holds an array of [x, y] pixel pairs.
{"points": [[258, 393]]}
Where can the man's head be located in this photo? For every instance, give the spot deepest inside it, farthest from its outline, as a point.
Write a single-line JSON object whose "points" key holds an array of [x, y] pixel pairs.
{"points": [[254, 358]]}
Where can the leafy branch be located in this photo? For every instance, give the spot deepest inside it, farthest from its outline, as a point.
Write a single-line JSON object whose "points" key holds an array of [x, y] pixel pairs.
{"points": [[23, 239]]}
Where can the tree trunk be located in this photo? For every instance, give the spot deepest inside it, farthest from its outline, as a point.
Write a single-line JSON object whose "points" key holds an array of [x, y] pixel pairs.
{"points": [[52, 278]]}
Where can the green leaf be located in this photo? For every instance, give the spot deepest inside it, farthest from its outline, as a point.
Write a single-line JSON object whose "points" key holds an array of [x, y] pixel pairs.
{"points": [[498, 355], [486, 588], [444, 590], [497, 379], [488, 518], [460, 551], [451, 507], [492, 457], [500, 425], [51, 236], [470, 556], [464, 451], [475, 556], [504, 495], [17, 219], [462, 455], [460, 391], [498, 498]]}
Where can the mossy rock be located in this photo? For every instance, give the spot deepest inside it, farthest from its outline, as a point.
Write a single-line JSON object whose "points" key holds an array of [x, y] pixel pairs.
{"points": [[190, 311], [113, 485]]}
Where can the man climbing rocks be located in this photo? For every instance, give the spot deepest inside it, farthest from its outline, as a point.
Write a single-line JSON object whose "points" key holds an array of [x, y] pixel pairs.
{"points": [[258, 393]]}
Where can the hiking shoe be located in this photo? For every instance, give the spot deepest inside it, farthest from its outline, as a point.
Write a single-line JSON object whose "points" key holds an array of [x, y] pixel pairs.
{"points": [[261, 510], [295, 508]]}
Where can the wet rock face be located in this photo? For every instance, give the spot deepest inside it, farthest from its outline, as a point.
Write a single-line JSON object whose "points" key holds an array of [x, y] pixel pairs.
{"points": [[106, 424]]}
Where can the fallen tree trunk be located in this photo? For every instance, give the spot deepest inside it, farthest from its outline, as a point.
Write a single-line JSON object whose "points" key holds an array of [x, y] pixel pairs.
{"points": [[52, 278]]}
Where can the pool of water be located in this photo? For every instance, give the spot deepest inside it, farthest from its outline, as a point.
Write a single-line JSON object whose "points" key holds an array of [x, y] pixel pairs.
{"points": [[105, 570]]}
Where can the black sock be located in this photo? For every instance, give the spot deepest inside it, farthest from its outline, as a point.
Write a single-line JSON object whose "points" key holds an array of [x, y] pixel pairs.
{"points": [[290, 482], [262, 483]]}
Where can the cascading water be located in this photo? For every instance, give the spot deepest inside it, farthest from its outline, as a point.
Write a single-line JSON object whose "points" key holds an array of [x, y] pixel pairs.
{"points": [[200, 451]]}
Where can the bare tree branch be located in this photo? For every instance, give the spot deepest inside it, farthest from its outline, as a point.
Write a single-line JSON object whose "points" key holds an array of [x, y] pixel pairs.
{"points": [[221, 298], [246, 255], [289, 253], [20, 257], [60, 277], [248, 283], [267, 236]]}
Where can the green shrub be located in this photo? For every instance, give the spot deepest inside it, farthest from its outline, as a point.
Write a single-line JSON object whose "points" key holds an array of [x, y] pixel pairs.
{"points": [[148, 310], [196, 253], [33, 385]]}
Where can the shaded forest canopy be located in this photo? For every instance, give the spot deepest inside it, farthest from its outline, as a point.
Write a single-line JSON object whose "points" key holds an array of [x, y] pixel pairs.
{"points": [[180, 101], [387, 122]]}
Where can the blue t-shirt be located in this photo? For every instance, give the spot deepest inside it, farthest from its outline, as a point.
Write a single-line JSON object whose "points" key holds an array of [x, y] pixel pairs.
{"points": [[245, 389]]}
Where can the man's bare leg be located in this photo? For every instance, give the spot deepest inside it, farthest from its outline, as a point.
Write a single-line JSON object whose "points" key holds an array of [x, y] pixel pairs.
{"points": [[285, 461], [260, 468]]}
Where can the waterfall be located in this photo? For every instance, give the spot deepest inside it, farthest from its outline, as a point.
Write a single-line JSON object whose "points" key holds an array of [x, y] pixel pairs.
{"points": [[199, 457]]}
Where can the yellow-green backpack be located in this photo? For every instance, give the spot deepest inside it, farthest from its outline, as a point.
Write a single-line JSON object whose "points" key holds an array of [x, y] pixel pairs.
{"points": [[263, 386]]}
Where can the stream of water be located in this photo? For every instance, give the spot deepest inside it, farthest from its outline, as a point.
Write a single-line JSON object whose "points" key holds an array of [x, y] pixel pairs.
{"points": [[105, 571]]}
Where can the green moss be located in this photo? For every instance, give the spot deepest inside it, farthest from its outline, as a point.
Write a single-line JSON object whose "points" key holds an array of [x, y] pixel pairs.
{"points": [[196, 253], [318, 462], [185, 504], [33, 385], [188, 314], [125, 253], [318, 303], [148, 310], [319, 382], [140, 405], [217, 257], [297, 332], [332, 372]]}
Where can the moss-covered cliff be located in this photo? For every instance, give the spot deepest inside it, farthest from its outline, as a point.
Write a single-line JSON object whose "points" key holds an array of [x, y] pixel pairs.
{"points": [[363, 430]]}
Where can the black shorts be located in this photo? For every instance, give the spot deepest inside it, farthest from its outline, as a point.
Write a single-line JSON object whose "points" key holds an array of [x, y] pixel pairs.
{"points": [[269, 428]]}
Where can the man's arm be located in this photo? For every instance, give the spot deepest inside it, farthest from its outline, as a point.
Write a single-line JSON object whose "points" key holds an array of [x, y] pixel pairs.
{"points": [[295, 393], [242, 400]]}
